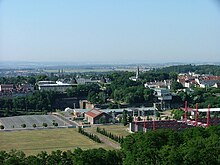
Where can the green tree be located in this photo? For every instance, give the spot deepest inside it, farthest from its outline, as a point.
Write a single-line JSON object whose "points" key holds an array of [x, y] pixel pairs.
{"points": [[2, 127], [44, 124], [176, 85], [23, 125], [34, 125], [125, 117]]}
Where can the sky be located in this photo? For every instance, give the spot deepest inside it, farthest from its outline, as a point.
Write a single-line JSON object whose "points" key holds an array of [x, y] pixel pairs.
{"points": [[110, 31]]}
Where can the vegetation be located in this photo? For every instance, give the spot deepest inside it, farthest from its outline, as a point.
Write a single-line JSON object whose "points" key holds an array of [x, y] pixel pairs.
{"points": [[23, 125], [78, 156], [34, 125], [55, 124], [44, 125], [39, 101], [2, 127], [110, 135], [90, 135], [202, 96], [200, 69], [177, 114], [116, 129], [190, 146]]}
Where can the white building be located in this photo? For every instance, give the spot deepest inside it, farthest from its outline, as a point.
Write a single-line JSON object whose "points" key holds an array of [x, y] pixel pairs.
{"points": [[53, 86]]}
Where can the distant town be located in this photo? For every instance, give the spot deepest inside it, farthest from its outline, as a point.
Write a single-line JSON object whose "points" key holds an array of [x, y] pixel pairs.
{"points": [[109, 103]]}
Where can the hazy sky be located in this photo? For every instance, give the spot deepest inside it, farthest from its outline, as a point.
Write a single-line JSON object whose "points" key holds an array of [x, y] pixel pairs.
{"points": [[126, 31]]}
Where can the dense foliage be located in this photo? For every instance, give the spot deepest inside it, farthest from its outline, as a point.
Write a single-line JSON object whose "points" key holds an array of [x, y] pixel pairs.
{"points": [[38, 101], [191, 146], [122, 89], [78, 156], [200, 69], [202, 96]]}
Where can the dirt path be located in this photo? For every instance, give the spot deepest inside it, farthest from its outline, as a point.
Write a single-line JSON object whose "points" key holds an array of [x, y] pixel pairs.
{"points": [[105, 139]]}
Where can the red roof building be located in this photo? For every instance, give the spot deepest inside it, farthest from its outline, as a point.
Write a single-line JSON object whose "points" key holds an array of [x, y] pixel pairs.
{"points": [[96, 116]]}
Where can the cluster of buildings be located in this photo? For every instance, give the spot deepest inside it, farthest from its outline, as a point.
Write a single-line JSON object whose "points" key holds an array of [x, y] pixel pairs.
{"points": [[15, 90], [196, 80], [98, 116]]}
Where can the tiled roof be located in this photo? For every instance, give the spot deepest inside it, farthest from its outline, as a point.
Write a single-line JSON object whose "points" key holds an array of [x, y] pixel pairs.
{"points": [[94, 112]]}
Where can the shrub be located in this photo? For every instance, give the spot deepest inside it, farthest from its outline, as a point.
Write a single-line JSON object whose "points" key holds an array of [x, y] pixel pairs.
{"points": [[23, 125], [44, 124], [2, 127]]}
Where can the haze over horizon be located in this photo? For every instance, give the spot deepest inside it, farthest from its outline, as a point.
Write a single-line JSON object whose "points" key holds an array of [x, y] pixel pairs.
{"points": [[113, 31]]}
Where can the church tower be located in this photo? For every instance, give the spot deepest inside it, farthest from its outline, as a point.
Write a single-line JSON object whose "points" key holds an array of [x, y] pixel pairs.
{"points": [[137, 73]]}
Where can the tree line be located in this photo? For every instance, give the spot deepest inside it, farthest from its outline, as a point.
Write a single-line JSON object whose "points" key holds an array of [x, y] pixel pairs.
{"points": [[39, 101], [90, 135], [192, 146], [116, 138], [199, 69], [78, 156]]}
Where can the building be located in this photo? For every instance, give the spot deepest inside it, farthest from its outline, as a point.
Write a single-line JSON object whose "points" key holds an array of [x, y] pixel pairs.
{"points": [[158, 84], [95, 116], [85, 104], [202, 81], [207, 83], [53, 86], [164, 96], [6, 87], [137, 77]]}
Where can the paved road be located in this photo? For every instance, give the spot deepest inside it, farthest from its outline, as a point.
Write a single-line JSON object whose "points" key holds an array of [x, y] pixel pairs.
{"points": [[105, 139]]}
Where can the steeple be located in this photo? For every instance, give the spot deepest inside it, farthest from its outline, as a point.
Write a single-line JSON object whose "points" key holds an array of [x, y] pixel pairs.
{"points": [[137, 73]]}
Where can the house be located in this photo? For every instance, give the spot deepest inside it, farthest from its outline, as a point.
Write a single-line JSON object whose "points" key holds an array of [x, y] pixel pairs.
{"points": [[187, 80], [206, 83], [96, 116]]}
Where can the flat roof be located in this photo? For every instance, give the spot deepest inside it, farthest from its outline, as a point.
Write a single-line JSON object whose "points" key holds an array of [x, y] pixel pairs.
{"points": [[206, 110]]}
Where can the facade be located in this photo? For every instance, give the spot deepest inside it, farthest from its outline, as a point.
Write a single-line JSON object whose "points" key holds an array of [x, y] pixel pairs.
{"points": [[86, 81], [158, 84], [164, 96], [95, 116]]}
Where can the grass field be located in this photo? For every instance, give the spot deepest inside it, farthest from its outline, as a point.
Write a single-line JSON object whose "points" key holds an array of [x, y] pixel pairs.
{"points": [[33, 142], [115, 129]]}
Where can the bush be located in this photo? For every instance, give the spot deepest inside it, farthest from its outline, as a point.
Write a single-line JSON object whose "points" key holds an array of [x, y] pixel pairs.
{"points": [[2, 127], [44, 124], [55, 124], [34, 125], [23, 125]]}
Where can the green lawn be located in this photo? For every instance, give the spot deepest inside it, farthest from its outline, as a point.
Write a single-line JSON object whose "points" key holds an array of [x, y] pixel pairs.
{"points": [[115, 129], [35, 141]]}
